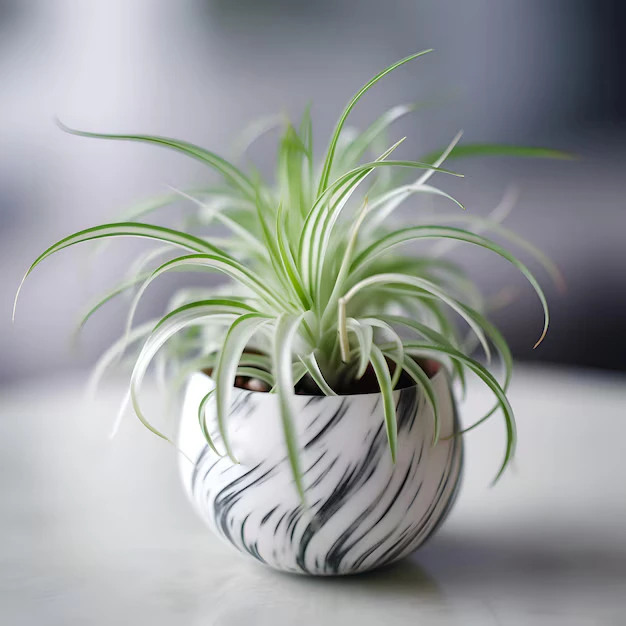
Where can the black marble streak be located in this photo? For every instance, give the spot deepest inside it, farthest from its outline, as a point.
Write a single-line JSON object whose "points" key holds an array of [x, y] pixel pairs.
{"points": [[405, 408], [243, 405], [315, 463], [268, 515], [253, 548], [322, 475], [333, 421], [403, 536], [226, 499], [352, 480]]}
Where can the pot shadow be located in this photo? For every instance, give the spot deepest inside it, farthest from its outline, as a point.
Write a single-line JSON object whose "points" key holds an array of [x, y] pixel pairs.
{"points": [[452, 566], [263, 596], [455, 577], [468, 561], [406, 577]]}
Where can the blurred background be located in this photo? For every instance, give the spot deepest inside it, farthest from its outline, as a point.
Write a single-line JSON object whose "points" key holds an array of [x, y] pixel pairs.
{"points": [[98, 533], [521, 71]]}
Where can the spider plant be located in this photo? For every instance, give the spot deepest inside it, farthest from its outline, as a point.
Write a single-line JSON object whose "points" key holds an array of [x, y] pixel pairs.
{"points": [[323, 284]]}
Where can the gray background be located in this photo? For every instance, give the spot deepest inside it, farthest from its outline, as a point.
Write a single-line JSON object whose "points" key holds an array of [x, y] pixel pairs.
{"points": [[524, 71]]}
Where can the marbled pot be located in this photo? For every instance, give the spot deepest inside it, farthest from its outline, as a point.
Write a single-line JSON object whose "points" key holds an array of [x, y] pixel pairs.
{"points": [[364, 511]]}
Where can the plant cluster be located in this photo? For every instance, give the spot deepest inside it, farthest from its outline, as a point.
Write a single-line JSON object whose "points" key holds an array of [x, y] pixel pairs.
{"points": [[323, 284]]}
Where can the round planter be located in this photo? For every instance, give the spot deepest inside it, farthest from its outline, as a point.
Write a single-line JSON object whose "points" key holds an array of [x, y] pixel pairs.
{"points": [[364, 511]]}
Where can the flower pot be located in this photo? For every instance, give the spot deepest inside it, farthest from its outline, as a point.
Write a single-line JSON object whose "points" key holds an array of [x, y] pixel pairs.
{"points": [[364, 511]]}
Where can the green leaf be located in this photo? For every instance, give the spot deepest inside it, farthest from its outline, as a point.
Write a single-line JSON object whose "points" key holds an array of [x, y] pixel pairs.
{"points": [[313, 368], [420, 284], [316, 226], [231, 173], [200, 309], [330, 154], [109, 295], [548, 265], [152, 204], [421, 379], [203, 424], [440, 159], [123, 229], [503, 350], [344, 268], [257, 361], [191, 314], [288, 263], [292, 156], [306, 135], [491, 383], [255, 372], [383, 206], [237, 229], [298, 371], [316, 222], [428, 333], [406, 235], [284, 332], [399, 352], [365, 338], [389, 406], [355, 149], [231, 268], [237, 338], [274, 252], [486, 149]]}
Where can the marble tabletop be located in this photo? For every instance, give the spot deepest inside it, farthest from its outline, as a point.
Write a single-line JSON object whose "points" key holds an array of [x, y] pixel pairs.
{"points": [[94, 531]]}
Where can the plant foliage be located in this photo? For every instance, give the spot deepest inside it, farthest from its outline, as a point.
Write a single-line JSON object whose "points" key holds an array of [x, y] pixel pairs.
{"points": [[324, 281]]}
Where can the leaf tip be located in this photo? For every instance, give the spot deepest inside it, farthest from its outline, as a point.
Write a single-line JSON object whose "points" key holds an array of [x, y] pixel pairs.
{"points": [[17, 295], [499, 474], [543, 335], [62, 126]]}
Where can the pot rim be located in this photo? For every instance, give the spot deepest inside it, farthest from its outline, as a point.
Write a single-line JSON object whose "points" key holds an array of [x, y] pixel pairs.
{"points": [[438, 374]]}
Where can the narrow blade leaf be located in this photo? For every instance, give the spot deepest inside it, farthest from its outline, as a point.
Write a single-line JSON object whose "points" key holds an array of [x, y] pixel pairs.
{"points": [[389, 406], [233, 174], [285, 329], [487, 149], [330, 154], [237, 338]]}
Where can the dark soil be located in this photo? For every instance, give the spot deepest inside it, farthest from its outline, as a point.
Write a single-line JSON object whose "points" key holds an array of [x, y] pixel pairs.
{"points": [[367, 384]]}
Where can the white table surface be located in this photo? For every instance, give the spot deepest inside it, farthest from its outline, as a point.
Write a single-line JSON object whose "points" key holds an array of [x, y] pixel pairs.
{"points": [[94, 531]]}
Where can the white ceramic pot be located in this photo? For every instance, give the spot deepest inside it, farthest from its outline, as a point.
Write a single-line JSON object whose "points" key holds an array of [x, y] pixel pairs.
{"points": [[364, 511]]}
